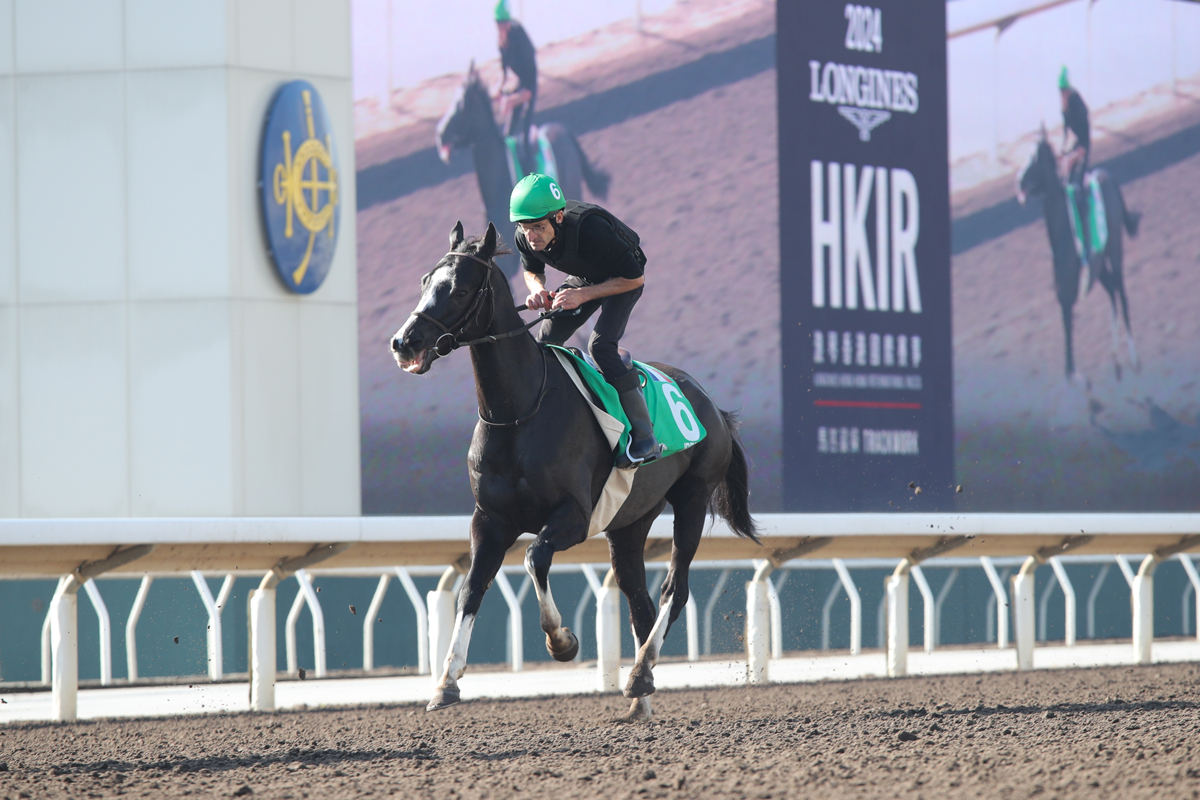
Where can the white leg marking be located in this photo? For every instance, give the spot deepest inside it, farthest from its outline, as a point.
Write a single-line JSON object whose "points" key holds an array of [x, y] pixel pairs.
{"points": [[549, 617], [649, 651], [456, 656], [1116, 331]]}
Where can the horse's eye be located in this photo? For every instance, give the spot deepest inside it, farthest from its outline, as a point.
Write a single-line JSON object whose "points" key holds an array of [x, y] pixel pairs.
{"points": [[461, 293]]}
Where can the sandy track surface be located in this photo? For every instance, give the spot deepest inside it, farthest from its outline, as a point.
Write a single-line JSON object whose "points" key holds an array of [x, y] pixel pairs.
{"points": [[1117, 732]]}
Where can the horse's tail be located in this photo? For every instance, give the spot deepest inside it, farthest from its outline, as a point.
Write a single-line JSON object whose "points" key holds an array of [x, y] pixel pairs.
{"points": [[731, 499], [597, 180]]}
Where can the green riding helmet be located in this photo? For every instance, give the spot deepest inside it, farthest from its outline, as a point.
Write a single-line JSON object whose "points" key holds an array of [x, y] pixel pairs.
{"points": [[535, 197], [502, 14], [1063, 82]]}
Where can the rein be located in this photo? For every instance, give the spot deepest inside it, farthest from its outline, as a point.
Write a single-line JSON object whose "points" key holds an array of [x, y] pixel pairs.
{"points": [[449, 341]]}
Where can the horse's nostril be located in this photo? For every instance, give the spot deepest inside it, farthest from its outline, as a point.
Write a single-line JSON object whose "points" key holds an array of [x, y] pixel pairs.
{"points": [[396, 344]]}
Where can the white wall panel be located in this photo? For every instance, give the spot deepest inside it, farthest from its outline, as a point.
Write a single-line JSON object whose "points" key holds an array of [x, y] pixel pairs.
{"points": [[10, 414], [264, 34], [329, 432], [7, 40], [74, 408], [271, 450], [71, 180], [178, 33], [181, 409], [69, 35], [8, 193], [178, 184], [322, 38]]}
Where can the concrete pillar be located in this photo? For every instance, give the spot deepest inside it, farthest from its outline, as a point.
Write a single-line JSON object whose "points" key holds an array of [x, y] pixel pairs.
{"points": [[262, 649], [1143, 610], [896, 591], [758, 625], [440, 603], [1024, 622], [64, 648], [608, 635]]}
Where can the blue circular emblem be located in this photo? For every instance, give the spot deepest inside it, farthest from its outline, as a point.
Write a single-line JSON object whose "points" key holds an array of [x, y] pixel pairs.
{"points": [[299, 187]]}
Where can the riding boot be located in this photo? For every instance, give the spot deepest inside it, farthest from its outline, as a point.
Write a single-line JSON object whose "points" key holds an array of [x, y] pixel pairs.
{"points": [[643, 447]]}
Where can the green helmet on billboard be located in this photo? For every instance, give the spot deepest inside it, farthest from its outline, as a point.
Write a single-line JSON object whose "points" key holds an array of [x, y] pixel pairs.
{"points": [[535, 197], [1063, 81], [502, 14]]}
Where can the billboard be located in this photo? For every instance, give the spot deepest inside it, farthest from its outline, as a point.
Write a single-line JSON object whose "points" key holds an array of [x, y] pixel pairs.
{"points": [[827, 197]]}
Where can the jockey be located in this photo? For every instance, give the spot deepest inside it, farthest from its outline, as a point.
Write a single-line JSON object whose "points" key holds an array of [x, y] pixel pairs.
{"points": [[1075, 160], [516, 107], [605, 268]]}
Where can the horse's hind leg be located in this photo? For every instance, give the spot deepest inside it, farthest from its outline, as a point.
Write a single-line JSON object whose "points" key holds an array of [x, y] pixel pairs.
{"points": [[490, 540], [626, 547], [567, 526]]}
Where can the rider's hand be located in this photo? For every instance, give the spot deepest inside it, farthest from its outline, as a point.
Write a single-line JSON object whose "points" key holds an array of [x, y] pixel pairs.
{"points": [[538, 300], [567, 299]]}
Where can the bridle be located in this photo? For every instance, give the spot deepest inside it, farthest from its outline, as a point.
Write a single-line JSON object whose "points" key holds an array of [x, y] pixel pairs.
{"points": [[449, 341]]}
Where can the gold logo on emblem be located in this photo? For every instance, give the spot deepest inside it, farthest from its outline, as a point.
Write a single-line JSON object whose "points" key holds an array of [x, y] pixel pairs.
{"points": [[291, 186]]}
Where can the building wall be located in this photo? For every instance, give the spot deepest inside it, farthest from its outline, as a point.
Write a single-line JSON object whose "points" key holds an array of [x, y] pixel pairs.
{"points": [[151, 362]]}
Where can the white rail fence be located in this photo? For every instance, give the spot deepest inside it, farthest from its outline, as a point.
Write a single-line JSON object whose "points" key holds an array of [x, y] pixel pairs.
{"points": [[1005, 544]]}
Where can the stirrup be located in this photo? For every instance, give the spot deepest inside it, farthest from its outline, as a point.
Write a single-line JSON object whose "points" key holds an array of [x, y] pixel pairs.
{"points": [[626, 461]]}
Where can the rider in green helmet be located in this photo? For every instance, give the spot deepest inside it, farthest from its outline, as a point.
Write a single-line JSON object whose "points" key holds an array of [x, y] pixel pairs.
{"points": [[605, 266], [1075, 160], [517, 54]]}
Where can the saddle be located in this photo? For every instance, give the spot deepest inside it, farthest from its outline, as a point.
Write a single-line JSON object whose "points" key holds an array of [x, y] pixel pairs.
{"points": [[544, 152], [1092, 202]]}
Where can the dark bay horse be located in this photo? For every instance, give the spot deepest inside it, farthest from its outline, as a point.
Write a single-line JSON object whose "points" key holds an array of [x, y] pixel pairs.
{"points": [[469, 123], [1040, 177], [538, 462]]}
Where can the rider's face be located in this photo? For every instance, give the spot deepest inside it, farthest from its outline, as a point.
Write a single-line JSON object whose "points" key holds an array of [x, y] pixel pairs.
{"points": [[539, 234]]}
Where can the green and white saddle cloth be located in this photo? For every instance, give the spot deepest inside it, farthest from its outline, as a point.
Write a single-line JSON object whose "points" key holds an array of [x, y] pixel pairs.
{"points": [[675, 422], [546, 163], [1097, 221]]}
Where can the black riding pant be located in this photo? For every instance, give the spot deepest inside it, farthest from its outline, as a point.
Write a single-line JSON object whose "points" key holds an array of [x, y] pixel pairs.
{"points": [[519, 120], [606, 335]]}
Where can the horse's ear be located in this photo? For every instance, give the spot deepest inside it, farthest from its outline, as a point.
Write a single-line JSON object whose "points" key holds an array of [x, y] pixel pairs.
{"points": [[1044, 136], [488, 247], [471, 69], [456, 236]]}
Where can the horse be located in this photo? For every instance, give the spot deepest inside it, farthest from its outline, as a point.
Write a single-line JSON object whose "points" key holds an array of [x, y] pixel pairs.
{"points": [[538, 462], [1040, 177], [469, 123]]}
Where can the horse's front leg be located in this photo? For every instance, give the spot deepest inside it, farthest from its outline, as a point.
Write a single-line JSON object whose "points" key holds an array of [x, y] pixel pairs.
{"points": [[567, 526], [490, 540]]}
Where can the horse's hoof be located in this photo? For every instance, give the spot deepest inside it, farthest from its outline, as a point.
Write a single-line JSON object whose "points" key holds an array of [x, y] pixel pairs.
{"points": [[639, 711], [641, 682], [444, 698], [567, 654]]}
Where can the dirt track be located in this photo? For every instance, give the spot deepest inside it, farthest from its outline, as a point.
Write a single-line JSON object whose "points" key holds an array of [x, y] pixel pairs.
{"points": [[1116, 732]]}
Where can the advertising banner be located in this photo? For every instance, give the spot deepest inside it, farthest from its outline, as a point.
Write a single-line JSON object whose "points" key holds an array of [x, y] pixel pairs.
{"points": [[864, 257]]}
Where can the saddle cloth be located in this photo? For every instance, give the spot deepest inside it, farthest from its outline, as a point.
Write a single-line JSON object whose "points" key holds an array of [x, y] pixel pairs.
{"points": [[675, 423], [1097, 222], [546, 163]]}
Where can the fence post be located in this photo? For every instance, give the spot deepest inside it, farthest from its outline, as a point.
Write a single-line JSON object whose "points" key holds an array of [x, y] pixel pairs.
{"points": [[855, 606], [928, 608], [896, 592], [1001, 596], [608, 635], [1025, 627], [440, 603], [216, 663], [1143, 610], [262, 661], [64, 647], [758, 624], [693, 628], [369, 622], [1194, 578], [414, 597], [516, 623], [1064, 582]]}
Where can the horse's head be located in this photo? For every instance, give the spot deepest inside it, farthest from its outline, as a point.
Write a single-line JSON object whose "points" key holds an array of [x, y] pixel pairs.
{"points": [[456, 303], [1040, 168], [457, 127]]}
